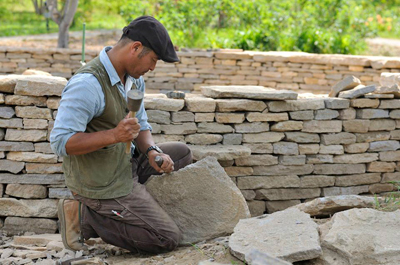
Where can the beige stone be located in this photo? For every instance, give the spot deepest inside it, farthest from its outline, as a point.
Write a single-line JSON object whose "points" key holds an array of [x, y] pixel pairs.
{"points": [[268, 182], [389, 156], [308, 149], [229, 117], [33, 112], [265, 137], [356, 148], [316, 181], [322, 126], [287, 194], [25, 100], [379, 166], [364, 103], [331, 149], [26, 135], [256, 160], [256, 208], [338, 138], [372, 137], [40, 86], [347, 114], [35, 168], [345, 84], [231, 105], [200, 104], [372, 114], [250, 92], [319, 159], [162, 138], [380, 187], [353, 190], [259, 148], [32, 157], [382, 125], [204, 117], [35, 124], [278, 170], [28, 208], [238, 171], [185, 128], [253, 127], [256, 116], [296, 105], [221, 152], [390, 104], [26, 191], [357, 179], [275, 206], [304, 115], [287, 126], [339, 169]]}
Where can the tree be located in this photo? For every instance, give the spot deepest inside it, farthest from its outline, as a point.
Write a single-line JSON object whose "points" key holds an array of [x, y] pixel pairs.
{"points": [[62, 17]]}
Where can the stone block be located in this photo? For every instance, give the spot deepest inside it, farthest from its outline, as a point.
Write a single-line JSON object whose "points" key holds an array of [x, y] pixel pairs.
{"points": [[293, 160], [40, 86], [204, 117], [304, 115], [300, 137], [286, 148], [379, 166], [232, 105], [203, 138], [357, 179], [336, 103], [166, 104], [18, 225], [60, 193], [364, 103], [257, 160], [33, 112], [26, 191], [394, 114], [16, 146], [162, 138], [6, 112], [372, 114], [296, 105], [353, 190], [53, 102], [250, 92], [379, 146], [32, 157], [229, 117], [232, 139], [389, 156], [26, 135], [382, 125], [390, 104], [322, 126], [331, 149], [238, 171], [11, 123], [159, 116], [256, 208], [41, 148], [308, 149], [46, 208], [266, 137], [347, 114], [316, 181], [257, 116], [25, 100], [356, 148], [358, 91], [252, 127], [213, 127], [395, 135], [200, 104], [326, 114], [319, 159], [185, 128], [279, 170], [260, 148], [221, 152], [359, 126], [36, 168], [339, 169], [391, 177], [276, 206], [380, 187], [345, 84], [287, 126], [338, 138], [11, 166], [372, 137], [287, 194], [182, 116], [35, 124]]}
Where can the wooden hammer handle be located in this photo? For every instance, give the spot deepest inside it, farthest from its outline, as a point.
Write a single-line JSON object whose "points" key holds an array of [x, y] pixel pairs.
{"points": [[131, 114]]}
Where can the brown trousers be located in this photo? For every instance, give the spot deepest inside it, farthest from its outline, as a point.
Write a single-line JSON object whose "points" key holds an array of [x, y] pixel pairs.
{"points": [[135, 222]]}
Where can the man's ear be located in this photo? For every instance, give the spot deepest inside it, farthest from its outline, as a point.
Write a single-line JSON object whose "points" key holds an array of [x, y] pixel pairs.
{"points": [[135, 46]]}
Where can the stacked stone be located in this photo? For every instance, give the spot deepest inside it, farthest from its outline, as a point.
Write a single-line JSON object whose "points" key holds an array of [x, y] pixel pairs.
{"points": [[282, 151], [31, 178], [281, 70]]}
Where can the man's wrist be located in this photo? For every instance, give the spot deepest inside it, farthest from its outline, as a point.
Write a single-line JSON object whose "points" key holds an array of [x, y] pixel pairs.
{"points": [[152, 148]]}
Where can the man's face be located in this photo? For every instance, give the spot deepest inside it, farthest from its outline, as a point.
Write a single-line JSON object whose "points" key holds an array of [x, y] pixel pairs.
{"points": [[143, 64]]}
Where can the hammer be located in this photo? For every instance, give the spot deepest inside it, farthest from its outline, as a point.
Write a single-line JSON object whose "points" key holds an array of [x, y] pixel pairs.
{"points": [[135, 98]]}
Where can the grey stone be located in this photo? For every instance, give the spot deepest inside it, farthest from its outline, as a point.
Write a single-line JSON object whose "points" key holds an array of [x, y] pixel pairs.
{"points": [[159, 116], [338, 138], [28, 208], [16, 146], [252, 127], [301, 137], [11, 166], [356, 148], [231, 105], [355, 158], [256, 160], [315, 181], [296, 105], [6, 112], [26, 191], [328, 206], [232, 139], [268, 182], [256, 257], [390, 104], [260, 148], [18, 225], [286, 148], [251, 92], [287, 194], [331, 149], [356, 126], [364, 103], [326, 114], [345, 84], [11, 123], [221, 152], [266, 137], [334, 191], [358, 179], [182, 116], [372, 137], [382, 125], [42, 179], [372, 114], [287, 126], [282, 170], [292, 160], [206, 220], [322, 126], [384, 146], [40, 86], [289, 235], [357, 92], [60, 193], [26, 135], [339, 169], [337, 103], [203, 138], [185, 128], [25, 100], [304, 115]]}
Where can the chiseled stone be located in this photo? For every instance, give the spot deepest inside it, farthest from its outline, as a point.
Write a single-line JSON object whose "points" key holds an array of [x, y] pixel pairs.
{"points": [[203, 138], [166, 104], [18, 225], [33, 112], [356, 126], [11, 166], [372, 114], [25, 100], [339, 169], [251, 92], [390, 104], [182, 116], [27, 191], [308, 149], [40, 86], [278, 170], [35, 124], [356, 148], [316, 181], [231, 105], [11, 123], [159, 116], [200, 104], [301, 137], [257, 160], [379, 166], [382, 125], [221, 152], [252, 127], [319, 159], [379, 146], [286, 148], [338, 138], [358, 91], [238, 171], [32, 157], [28, 208], [36, 168], [6, 112], [265, 137], [260, 148], [372, 137], [357, 179], [336, 103], [347, 114], [213, 127], [322, 126], [389, 156], [229, 117], [185, 128], [232, 139], [207, 220], [268, 182], [287, 126], [352, 190], [287, 194], [303, 115], [290, 235], [204, 117], [380, 187], [364, 103], [26, 135], [296, 105], [345, 84], [257, 116], [331, 149], [16, 146]]}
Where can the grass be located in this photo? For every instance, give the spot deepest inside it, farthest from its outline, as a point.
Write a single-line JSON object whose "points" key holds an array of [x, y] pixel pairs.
{"points": [[390, 202]]}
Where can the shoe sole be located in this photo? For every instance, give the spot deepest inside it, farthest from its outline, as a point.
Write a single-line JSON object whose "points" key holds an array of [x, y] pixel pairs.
{"points": [[61, 218]]}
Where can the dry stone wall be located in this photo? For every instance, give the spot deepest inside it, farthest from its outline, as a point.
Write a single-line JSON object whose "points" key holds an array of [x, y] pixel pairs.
{"points": [[281, 70], [280, 148]]}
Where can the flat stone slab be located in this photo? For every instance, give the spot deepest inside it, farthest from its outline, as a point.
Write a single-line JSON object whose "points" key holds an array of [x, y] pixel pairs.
{"points": [[327, 206], [357, 91], [250, 92], [345, 84], [361, 236], [220, 152], [202, 200], [290, 235]]}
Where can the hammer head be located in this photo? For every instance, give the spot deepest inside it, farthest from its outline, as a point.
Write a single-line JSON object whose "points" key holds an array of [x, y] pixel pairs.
{"points": [[135, 98]]}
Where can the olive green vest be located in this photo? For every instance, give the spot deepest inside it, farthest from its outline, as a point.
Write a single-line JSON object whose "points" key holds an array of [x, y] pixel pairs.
{"points": [[107, 172]]}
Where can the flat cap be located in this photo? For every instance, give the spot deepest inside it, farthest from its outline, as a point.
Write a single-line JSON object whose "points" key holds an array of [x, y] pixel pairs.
{"points": [[151, 33]]}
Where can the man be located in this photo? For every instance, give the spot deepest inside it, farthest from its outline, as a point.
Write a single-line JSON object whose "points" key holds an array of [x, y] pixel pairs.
{"points": [[90, 133]]}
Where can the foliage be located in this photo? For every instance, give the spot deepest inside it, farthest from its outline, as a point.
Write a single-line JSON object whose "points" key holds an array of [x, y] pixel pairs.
{"points": [[318, 26], [390, 202]]}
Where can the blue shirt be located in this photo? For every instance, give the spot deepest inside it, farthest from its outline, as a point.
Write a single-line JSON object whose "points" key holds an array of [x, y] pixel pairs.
{"points": [[83, 99]]}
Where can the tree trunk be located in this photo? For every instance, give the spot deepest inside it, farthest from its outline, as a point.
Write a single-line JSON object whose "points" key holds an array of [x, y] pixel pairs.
{"points": [[63, 35]]}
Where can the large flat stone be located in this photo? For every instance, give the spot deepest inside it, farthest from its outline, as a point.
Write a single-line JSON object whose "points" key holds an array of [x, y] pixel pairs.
{"points": [[361, 236], [250, 92], [290, 235], [220, 152], [345, 84], [42, 179], [40, 86], [201, 198], [28, 208], [18, 225], [356, 92]]}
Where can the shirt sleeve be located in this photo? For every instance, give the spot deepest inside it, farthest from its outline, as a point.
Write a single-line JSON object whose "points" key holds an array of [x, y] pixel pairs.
{"points": [[80, 103], [141, 115]]}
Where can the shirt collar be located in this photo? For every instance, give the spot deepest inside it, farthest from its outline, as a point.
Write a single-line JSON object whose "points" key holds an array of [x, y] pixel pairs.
{"points": [[105, 60]]}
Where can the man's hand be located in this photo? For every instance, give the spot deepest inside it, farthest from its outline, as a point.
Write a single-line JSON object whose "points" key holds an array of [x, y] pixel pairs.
{"points": [[167, 165], [127, 130]]}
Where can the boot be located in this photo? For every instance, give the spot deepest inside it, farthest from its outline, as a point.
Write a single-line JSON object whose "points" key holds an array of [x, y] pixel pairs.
{"points": [[69, 217]]}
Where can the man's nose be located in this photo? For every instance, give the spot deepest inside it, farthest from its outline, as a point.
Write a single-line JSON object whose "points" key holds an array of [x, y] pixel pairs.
{"points": [[153, 66]]}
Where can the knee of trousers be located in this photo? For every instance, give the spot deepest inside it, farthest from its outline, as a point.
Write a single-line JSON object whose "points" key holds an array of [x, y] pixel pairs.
{"points": [[173, 239], [185, 154]]}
